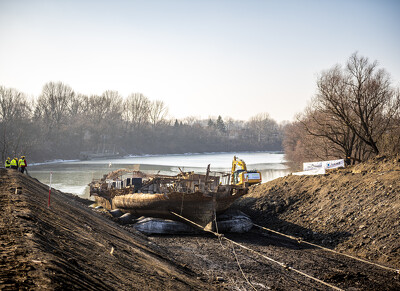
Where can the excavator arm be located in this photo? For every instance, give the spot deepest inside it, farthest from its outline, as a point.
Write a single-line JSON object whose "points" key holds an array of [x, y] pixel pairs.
{"points": [[237, 164]]}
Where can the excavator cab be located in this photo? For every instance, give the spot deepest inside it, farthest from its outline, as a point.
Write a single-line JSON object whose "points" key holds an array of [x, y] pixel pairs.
{"points": [[237, 177]]}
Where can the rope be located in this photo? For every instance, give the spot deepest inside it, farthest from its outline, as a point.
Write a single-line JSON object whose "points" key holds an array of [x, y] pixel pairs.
{"points": [[233, 250], [286, 267], [216, 227], [220, 237], [300, 240], [240, 267]]}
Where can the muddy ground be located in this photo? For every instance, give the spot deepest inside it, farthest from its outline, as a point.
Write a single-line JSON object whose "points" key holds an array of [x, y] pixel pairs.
{"points": [[70, 245], [355, 210]]}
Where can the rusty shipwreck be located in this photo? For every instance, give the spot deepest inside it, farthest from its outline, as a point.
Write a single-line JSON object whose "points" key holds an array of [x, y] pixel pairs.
{"points": [[197, 197]]}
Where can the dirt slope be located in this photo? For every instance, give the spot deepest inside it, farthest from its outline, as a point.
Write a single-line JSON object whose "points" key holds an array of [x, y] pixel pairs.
{"points": [[69, 246], [355, 210]]}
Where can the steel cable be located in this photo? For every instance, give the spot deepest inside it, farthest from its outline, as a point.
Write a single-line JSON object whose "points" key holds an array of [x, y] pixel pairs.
{"points": [[286, 267], [300, 240]]}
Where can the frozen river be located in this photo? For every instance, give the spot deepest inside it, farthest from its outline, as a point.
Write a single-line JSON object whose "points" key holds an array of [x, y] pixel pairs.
{"points": [[74, 176]]}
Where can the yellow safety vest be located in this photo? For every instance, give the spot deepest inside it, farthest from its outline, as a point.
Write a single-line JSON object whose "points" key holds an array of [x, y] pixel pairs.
{"points": [[8, 163], [13, 162], [21, 163]]}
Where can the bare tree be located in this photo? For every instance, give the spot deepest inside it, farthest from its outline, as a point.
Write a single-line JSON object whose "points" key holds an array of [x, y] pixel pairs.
{"points": [[102, 120], [193, 121], [14, 118], [158, 112], [360, 97], [355, 114], [104, 108], [66, 125], [335, 139], [77, 105], [263, 127], [137, 110], [294, 145], [54, 105]]}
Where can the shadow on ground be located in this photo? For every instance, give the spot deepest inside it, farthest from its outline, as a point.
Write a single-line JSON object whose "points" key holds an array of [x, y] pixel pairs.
{"points": [[269, 218]]}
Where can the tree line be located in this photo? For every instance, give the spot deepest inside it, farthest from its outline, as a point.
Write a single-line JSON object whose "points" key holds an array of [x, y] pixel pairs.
{"points": [[355, 115], [63, 124]]}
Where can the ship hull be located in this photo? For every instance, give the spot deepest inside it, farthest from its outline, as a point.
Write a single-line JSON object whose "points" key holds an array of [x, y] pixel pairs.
{"points": [[197, 207]]}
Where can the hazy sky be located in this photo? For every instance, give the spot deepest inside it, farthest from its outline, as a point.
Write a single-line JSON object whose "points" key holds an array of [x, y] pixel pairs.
{"points": [[201, 57]]}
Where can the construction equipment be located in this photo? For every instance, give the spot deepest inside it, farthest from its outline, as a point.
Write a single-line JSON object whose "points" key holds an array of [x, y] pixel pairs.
{"points": [[241, 176]]}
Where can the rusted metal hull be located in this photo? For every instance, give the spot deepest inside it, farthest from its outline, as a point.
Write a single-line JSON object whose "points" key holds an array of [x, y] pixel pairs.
{"points": [[196, 197], [198, 207]]}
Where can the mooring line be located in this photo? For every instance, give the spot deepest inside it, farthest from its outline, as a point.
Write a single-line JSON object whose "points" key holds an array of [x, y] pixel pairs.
{"points": [[216, 227], [233, 250], [300, 240], [286, 267], [240, 267]]}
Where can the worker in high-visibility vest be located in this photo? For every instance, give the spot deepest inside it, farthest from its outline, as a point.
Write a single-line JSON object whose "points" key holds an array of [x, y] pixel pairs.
{"points": [[8, 163], [22, 164], [14, 164]]}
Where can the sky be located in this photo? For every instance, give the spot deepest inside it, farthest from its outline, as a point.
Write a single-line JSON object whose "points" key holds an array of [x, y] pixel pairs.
{"points": [[203, 58]]}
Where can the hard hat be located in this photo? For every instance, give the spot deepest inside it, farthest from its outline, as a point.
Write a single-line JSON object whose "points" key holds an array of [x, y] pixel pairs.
{"points": [[8, 158], [23, 157]]}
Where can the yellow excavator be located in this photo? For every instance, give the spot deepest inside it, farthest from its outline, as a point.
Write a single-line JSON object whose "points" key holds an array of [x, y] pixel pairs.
{"points": [[241, 176]]}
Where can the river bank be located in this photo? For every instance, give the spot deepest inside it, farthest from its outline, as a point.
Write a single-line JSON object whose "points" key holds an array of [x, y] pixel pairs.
{"points": [[72, 246], [69, 246], [353, 210]]}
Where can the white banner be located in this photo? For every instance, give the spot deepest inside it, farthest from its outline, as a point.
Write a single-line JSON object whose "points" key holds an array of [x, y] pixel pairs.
{"points": [[312, 166], [323, 165], [334, 164], [320, 171]]}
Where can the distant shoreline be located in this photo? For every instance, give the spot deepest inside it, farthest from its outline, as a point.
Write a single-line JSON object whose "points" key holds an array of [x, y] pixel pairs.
{"points": [[59, 161]]}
